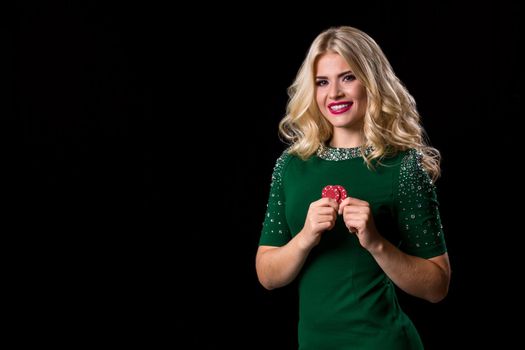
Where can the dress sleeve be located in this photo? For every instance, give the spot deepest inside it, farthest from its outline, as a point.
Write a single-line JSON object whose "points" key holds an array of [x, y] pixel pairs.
{"points": [[275, 231], [417, 210]]}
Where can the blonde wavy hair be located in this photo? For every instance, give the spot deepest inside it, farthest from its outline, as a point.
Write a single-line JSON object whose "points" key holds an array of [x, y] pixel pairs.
{"points": [[391, 122]]}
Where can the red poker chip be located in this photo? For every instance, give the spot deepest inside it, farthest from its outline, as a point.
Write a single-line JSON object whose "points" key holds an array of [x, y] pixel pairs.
{"points": [[331, 192], [336, 192], [342, 192]]}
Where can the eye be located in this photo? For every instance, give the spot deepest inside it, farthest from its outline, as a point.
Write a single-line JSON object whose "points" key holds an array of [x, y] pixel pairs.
{"points": [[321, 82], [349, 77]]}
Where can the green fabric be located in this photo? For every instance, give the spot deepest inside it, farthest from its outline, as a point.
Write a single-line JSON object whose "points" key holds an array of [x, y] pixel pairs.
{"points": [[345, 299]]}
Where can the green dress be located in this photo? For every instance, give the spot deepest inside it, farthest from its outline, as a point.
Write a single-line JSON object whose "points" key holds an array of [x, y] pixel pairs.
{"points": [[345, 300]]}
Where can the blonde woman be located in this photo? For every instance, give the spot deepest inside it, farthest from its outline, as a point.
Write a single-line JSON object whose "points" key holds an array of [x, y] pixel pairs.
{"points": [[352, 207]]}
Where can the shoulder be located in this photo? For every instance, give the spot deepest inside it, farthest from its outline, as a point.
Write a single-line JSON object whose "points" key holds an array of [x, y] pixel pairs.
{"points": [[285, 157], [407, 157], [283, 160], [281, 164], [412, 169], [398, 158], [412, 161]]}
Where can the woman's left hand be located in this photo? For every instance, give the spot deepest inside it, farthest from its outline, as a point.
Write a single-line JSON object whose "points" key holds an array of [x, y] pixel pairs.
{"points": [[358, 218]]}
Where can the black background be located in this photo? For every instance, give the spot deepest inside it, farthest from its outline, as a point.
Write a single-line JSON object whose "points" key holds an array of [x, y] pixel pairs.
{"points": [[140, 149]]}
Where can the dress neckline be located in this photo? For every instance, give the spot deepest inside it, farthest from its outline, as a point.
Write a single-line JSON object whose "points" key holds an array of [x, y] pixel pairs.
{"points": [[341, 153]]}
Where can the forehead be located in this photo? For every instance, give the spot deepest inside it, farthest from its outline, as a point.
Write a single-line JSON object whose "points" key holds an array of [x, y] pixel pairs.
{"points": [[331, 62]]}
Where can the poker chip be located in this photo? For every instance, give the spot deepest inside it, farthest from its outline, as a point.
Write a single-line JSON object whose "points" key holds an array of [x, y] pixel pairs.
{"points": [[336, 192], [342, 192], [331, 192]]}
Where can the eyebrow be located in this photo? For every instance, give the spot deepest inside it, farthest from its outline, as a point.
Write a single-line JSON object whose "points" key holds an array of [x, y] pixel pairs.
{"points": [[339, 75]]}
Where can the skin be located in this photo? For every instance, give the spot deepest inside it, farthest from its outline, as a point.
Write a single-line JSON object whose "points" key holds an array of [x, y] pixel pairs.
{"points": [[278, 266], [336, 83]]}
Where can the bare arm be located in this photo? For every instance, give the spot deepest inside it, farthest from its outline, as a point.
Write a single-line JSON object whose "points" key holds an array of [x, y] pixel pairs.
{"points": [[424, 278], [278, 266]]}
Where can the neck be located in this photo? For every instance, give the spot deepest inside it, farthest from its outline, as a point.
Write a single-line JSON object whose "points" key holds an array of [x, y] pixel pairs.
{"points": [[345, 138]]}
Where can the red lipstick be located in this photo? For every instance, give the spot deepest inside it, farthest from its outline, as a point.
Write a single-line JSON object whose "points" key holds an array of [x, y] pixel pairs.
{"points": [[340, 107]]}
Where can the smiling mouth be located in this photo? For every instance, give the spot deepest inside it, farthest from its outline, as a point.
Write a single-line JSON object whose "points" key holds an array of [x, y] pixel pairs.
{"points": [[338, 108]]}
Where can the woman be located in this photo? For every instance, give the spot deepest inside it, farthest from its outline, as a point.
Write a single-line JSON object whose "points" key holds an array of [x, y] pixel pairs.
{"points": [[354, 132]]}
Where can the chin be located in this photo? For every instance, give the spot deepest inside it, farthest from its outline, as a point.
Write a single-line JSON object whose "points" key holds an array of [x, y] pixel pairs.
{"points": [[342, 124]]}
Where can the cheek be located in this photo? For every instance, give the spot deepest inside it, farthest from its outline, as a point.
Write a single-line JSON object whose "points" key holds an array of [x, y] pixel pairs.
{"points": [[319, 99], [363, 100], [360, 94]]}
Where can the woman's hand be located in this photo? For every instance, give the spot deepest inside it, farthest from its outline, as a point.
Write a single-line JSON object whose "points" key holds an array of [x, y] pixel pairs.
{"points": [[321, 217], [358, 218]]}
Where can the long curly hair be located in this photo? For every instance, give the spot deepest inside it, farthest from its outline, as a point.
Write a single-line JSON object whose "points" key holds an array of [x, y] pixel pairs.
{"points": [[391, 122]]}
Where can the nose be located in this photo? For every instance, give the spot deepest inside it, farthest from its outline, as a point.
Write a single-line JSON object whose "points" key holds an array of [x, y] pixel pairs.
{"points": [[335, 92]]}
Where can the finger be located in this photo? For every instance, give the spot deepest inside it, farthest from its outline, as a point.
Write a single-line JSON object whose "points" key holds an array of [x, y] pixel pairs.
{"points": [[342, 206], [354, 201], [324, 226], [326, 202], [326, 211], [351, 201], [352, 229], [353, 225], [341, 209], [355, 217], [324, 218], [354, 209]]}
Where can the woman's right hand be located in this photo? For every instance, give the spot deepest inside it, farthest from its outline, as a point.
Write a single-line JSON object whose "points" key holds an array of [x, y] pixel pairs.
{"points": [[278, 266], [321, 217]]}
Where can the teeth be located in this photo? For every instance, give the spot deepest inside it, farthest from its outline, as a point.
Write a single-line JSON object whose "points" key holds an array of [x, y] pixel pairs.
{"points": [[338, 107]]}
